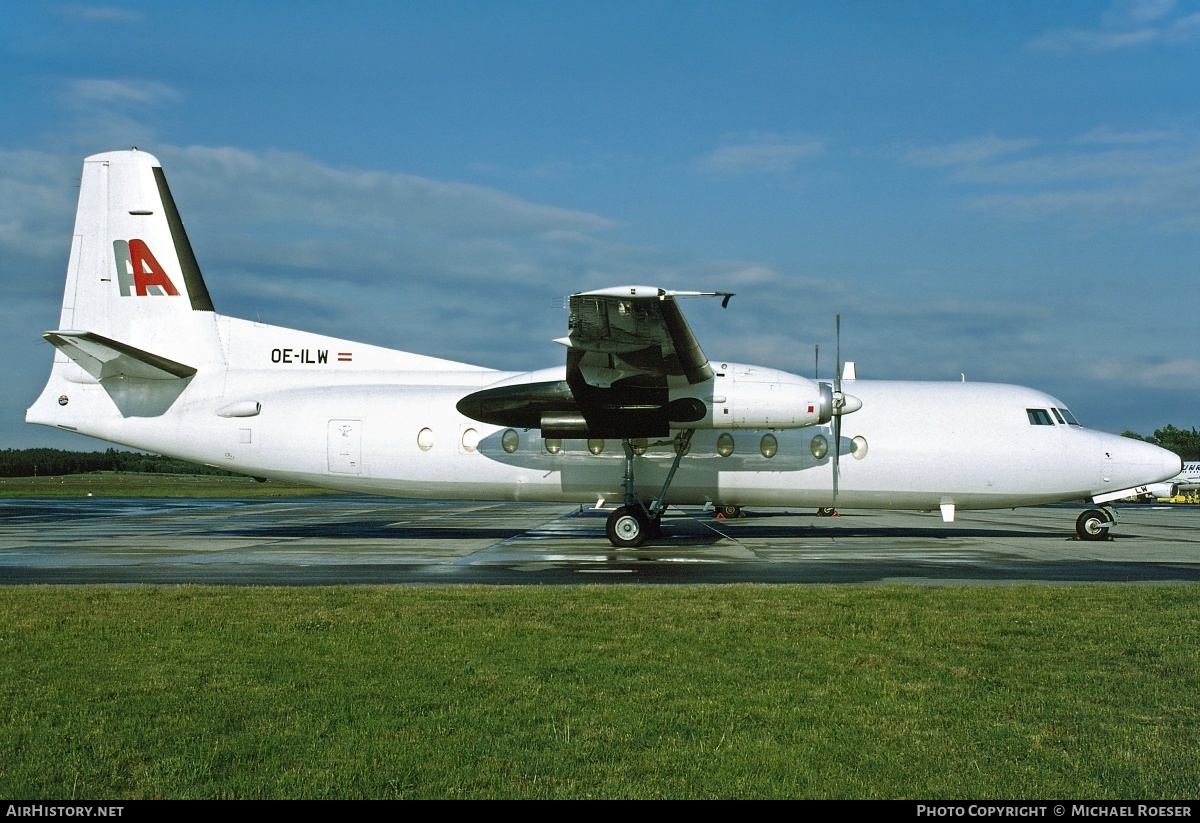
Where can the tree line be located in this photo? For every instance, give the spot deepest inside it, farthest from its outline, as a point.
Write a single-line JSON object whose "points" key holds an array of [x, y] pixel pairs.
{"points": [[47, 462], [1184, 443]]}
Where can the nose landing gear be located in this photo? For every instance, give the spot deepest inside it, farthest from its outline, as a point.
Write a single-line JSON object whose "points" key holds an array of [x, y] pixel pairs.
{"points": [[1094, 524]]}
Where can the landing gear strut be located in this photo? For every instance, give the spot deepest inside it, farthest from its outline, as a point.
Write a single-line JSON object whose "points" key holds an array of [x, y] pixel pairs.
{"points": [[630, 526], [1094, 524]]}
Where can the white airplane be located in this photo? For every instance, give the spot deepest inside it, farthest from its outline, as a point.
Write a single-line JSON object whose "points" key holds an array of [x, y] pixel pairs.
{"points": [[1187, 480], [637, 415]]}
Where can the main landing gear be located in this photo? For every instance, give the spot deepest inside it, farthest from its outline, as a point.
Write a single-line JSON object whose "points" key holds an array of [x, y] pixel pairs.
{"points": [[630, 526], [1094, 524], [635, 522]]}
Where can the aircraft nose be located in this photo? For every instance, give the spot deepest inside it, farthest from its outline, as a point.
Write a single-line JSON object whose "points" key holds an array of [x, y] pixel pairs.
{"points": [[1130, 462], [1170, 463]]}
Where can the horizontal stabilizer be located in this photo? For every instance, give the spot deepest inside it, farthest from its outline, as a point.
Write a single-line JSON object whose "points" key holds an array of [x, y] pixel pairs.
{"points": [[103, 358]]}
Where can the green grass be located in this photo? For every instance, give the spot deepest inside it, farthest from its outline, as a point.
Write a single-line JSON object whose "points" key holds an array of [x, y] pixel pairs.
{"points": [[619, 691], [130, 484]]}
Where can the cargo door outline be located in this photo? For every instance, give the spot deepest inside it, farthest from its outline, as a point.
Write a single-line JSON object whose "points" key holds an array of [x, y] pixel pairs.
{"points": [[345, 446]]}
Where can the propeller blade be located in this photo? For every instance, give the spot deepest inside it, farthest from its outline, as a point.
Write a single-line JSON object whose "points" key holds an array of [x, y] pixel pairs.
{"points": [[837, 375], [837, 411], [837, 441]]}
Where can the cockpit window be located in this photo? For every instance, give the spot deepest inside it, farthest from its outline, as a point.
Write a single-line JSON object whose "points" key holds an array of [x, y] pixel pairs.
{"points": [[1058, 416], [1039, 417], [1070, 417]]}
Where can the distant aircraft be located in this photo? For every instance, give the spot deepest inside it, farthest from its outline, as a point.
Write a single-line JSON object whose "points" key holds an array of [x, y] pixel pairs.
{"points": [[637, 414], [1187, 480]]}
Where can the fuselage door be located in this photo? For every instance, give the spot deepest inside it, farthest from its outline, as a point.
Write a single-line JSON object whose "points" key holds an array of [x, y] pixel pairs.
{"points": [[345, 446]]}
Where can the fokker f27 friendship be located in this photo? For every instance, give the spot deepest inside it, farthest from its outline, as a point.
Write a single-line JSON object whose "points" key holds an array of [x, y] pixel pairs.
{"points": [[638, 415]]}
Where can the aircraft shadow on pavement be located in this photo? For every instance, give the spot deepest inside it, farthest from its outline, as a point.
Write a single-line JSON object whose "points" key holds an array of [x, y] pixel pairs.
{"points": [[675, 531], [747, 527], [366, 530]]}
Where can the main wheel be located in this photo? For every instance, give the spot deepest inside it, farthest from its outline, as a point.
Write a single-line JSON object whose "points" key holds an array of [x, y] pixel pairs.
{"points": [[627, 528], [730, 512], [826, 511], [1093, 524]]}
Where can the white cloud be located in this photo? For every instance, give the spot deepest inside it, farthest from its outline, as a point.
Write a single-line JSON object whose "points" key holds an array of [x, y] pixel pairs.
{"points": [[1147, 176], [279, 187], [1066, 42], [115, 111], [1105, 134], [99, 14], [1178, 373], [1122, 12], [1126, 24], [90, 91], [968, 152], [770, 157], [37, 190]]}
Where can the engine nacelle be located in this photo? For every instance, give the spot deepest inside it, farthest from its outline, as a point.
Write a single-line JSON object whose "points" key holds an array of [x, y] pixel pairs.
{"points": [[753, 397]]}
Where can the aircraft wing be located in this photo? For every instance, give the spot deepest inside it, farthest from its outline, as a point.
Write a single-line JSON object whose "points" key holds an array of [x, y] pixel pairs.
{"points": [[626, 347], [632, 333]]}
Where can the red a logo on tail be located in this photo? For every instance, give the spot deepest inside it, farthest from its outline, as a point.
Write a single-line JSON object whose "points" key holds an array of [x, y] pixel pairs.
{"points": [[138, 272]]}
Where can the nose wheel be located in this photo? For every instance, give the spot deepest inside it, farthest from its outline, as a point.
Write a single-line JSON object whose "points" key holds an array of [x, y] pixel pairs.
{"points": [[1094, 524]]}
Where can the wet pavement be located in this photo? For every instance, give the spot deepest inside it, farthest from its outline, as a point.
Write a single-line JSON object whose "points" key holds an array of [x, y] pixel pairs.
{"points": [[363, 540]]}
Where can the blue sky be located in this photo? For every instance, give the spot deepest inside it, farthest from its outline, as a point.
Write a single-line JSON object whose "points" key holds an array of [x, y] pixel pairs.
{"points": [[1009, 191]]}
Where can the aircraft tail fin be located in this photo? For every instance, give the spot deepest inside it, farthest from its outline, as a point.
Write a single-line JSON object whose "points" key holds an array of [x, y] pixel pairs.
{"points": [[132, 275], [136, 316]]}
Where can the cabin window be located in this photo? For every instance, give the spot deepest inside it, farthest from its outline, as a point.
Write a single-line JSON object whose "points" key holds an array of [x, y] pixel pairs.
{"points": [[858, 447], [725, 444], [553, 445], [1071, 421], [769, 446], [425, 439], [595, 445], [1039, 417], [510, 441], [818, 446]]}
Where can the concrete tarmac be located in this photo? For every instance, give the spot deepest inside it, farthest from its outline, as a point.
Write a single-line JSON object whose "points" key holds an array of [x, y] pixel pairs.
{"points": [[364, 540]]}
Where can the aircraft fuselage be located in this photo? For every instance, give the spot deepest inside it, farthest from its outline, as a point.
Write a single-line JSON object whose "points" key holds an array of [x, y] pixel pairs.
{"points": [[297, 413]]}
